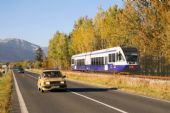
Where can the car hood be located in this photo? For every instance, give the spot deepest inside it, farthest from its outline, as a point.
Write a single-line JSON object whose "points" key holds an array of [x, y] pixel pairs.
{"points": [[53, 79]]}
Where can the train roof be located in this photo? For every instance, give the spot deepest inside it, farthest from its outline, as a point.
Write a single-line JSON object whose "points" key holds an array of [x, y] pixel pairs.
{"points": [[98, 51]]}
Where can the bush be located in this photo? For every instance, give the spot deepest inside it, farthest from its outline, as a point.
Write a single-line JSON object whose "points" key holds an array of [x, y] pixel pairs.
{"points": [[1, 74]]}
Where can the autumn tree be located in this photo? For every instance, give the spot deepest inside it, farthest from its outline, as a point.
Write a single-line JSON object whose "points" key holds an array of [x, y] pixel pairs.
{"points": [[58, 54], [82, 38], [106, 24], [145, 24]]}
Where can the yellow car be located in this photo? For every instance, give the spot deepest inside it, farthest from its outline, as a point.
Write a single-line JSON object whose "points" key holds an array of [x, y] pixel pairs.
{"points": [[51, 79]]}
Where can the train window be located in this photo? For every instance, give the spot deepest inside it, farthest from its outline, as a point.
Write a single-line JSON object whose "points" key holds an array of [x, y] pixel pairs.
{"points": [[97, 61], [80, 62], [105, 60], [76, 62], [112, 57], [72, 61], [119, 57], [102, 61], [92, 61]]}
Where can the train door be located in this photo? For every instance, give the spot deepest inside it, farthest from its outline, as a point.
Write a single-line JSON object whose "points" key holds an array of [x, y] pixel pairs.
{"points": [[112, 62], [87, 62], [75, 64], [105, 63]]}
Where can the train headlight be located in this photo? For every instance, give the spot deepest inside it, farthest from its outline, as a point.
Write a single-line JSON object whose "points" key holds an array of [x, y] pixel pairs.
{"points": [[132, 67]]}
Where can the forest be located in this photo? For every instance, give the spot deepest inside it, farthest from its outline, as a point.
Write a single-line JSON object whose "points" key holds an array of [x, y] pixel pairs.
{"points": [[144, 24]]}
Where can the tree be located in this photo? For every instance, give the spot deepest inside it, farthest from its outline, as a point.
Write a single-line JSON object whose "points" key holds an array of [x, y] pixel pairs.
{"points": [[39, 54], [58, 52], [145, 23], [106, 24], [83, 35], [39, 57]]}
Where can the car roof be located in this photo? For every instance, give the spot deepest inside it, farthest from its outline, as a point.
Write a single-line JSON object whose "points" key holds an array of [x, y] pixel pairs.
{"points": [[49, 70]]}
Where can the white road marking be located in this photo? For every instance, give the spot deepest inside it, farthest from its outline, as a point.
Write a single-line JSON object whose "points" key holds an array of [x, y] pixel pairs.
{"points": [[133, 94], [109, 106], [20, 98], [152, 98]]}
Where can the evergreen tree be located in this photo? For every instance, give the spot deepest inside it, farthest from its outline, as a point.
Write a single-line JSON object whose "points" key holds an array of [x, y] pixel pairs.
{"points": [[39, 55]]}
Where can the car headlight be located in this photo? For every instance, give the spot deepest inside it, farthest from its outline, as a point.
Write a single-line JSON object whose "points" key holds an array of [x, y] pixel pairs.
{"points": [[47, 83], [62, 82]]}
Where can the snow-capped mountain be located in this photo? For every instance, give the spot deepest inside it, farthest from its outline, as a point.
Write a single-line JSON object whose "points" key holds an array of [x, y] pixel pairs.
{"points": [[13, 49]]}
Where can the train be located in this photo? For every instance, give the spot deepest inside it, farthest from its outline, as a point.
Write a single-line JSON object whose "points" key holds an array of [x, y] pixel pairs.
{"points": [[115, 59]]}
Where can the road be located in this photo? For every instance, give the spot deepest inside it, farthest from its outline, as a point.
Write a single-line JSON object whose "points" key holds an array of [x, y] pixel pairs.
{"points": [[81, 98]]}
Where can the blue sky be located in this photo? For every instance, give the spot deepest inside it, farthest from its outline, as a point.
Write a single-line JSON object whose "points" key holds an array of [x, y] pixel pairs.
{"points": [[37, 20]]}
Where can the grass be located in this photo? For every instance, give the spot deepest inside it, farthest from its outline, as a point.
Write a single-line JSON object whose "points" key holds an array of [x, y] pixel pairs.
{"points": [[5, 92], [148, 87]]}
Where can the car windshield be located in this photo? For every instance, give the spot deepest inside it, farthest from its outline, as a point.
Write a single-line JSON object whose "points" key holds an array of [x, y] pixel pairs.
{"points": [[21, 69], [52, 74]]}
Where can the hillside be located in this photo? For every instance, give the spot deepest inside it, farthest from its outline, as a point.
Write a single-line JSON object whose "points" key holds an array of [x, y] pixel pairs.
{"points": [[16, 50]]}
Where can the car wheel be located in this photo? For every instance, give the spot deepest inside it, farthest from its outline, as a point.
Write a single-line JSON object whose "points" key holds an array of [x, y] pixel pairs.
{"points": [[42, 91], [39, 89], [65, 88]]}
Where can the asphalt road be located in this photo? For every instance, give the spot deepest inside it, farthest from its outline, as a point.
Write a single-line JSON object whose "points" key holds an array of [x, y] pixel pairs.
{"points": [[81, 98]]}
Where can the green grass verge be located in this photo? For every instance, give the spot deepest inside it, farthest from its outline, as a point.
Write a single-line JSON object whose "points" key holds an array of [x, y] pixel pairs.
{"points": [[5, 92]]}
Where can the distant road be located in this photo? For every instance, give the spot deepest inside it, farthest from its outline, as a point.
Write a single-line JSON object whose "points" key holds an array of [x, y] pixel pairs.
{"points": [[82, 98]]}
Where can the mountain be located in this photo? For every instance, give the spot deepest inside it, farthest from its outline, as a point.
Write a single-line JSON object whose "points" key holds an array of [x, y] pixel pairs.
{"points": [[16, 50], [45, 50]]}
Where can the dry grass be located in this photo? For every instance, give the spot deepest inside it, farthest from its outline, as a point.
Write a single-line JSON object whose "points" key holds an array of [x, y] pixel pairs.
{"points": [[149, 87], [5, 92]]}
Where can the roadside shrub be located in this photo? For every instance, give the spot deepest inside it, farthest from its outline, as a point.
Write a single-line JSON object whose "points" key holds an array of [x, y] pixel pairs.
{"points": [[1, 74]]}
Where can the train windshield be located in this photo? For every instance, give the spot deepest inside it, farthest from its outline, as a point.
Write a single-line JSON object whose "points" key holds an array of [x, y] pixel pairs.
{"points": [[131, 55]]}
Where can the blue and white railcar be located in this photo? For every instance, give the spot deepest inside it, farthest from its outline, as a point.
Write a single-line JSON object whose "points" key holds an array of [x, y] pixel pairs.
{"points": [[116, 59]]}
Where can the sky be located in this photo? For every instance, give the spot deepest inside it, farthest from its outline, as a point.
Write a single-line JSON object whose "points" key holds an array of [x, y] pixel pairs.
{"points": [[37, 20]]}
